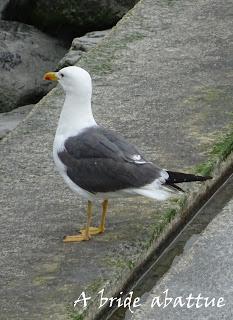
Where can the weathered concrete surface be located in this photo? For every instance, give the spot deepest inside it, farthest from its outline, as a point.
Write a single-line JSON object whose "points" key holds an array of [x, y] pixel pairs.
{"points": [[205, 268], [10, 120], [163, 79]]}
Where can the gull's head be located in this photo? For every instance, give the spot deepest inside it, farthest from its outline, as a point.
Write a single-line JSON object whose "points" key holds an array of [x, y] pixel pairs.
{"points": [[74, 80]]}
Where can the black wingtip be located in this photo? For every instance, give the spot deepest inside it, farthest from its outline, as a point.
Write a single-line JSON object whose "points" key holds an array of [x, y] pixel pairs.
{"points": [[203, 178], [207, 177], [179, 177]]}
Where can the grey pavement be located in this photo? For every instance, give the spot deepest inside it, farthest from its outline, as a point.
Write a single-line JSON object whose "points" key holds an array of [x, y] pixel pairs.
{"points": [[10, 120], [205, 268], [163, 78]]}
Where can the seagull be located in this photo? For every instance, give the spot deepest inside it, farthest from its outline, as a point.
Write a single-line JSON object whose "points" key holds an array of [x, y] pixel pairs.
{"points": [[98, 163]]}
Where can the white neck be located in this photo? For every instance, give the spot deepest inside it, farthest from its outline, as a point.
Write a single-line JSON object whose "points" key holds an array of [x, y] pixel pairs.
{"points": [[76, 115]]}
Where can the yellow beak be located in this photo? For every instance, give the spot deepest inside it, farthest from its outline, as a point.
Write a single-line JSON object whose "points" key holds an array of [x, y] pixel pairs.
{"points": [[50, 76]]}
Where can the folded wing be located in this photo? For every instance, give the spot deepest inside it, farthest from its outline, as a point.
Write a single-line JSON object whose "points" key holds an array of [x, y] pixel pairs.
{"points": [[99, 160]]}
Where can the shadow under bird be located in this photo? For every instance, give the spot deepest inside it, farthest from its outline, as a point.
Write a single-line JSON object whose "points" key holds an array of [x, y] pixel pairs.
{"points": [[98, 163]]}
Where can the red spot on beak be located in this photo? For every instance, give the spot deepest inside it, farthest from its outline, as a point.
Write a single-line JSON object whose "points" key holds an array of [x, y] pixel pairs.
{"points": [[50, 76]]}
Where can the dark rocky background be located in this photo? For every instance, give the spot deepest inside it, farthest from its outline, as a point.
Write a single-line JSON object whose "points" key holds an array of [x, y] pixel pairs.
{"points": [[25, 54], [67, 19], [35, 37]]}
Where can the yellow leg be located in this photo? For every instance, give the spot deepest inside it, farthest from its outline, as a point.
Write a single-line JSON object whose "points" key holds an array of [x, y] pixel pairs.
{"points": [[103, 217], [101, 228], [85, 234]]}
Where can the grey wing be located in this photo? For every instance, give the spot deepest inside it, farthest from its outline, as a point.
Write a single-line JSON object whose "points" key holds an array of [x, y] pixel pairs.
{"points": [[99, 160]]}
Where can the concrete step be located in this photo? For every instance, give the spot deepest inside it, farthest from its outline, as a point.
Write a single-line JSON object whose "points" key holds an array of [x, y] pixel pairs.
{"points": [[204, 269]]}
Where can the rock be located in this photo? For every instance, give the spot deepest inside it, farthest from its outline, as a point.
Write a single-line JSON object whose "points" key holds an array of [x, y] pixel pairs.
{"points": [[80, 46], [9, 120], [25, 54], [3, 4], [68, 18]]}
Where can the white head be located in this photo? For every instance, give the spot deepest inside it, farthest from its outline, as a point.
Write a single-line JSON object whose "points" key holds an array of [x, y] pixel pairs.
{"points": [[74, 80], [76, 112]]}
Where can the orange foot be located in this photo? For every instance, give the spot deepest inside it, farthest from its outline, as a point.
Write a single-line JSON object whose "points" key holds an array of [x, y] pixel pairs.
{"points": [[77, 238], [93, 231]]}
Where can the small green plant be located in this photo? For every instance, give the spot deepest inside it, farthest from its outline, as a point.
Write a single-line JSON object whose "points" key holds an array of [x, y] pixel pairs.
{"points": [[77, 317], [220, 151], [166, 218], [74, 315]]}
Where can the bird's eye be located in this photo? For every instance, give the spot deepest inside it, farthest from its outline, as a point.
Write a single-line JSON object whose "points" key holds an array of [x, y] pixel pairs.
{"points": [[62, 75]]}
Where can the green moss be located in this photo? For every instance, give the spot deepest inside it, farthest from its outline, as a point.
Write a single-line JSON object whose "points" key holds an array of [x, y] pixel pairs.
{"points": [[48, 271], [97, 63], [104, 67], [211, 96], [182, 201], [205, 168], [225, 147], [169, 215], [101, 65], [220, 151], [208, 95], [130, 264], [132, 37], [76, 316], [169, 2], [119, 263], [95, 286], [42, 280], [166, 218], [73, 314]]}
